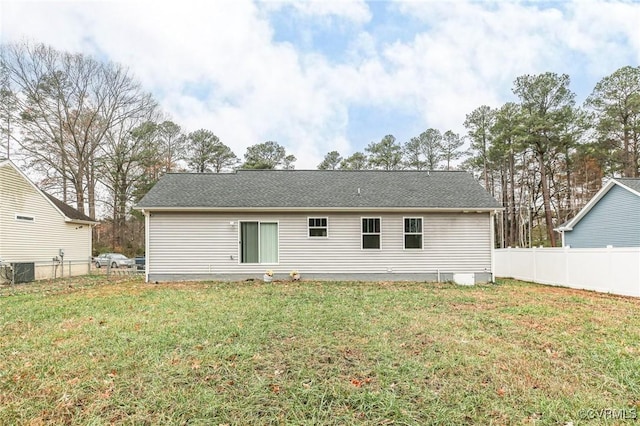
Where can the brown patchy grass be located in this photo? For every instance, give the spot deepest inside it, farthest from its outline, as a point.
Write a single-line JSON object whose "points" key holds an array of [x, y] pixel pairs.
{"points": [[91, 351]]}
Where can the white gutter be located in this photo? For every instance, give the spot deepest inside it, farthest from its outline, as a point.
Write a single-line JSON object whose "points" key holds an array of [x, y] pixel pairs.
{"points": [[322, 209], [81, 222]]}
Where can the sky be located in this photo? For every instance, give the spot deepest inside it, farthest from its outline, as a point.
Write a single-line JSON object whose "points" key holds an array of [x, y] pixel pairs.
{"points": [[318, 76]]}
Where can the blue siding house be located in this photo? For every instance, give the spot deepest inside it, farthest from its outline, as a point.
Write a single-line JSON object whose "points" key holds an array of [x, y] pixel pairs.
{"points": [[611, 218]]}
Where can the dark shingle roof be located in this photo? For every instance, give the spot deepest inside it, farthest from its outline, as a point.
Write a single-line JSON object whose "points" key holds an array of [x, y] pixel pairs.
{"points": [[67, 210], [320, 189], [633, 183]]}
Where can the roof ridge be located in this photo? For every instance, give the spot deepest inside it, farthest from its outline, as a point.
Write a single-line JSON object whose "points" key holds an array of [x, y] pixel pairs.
{"points": [[317, 170]]}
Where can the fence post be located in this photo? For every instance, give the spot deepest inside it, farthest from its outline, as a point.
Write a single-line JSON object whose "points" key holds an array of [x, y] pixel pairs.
{"points": [[511, 256], [533, 251], [565, 253], [609, 266], [507, 255]]}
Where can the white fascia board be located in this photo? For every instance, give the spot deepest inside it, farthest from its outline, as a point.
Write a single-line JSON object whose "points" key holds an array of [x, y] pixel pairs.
{"points": [[43, 195], [33, 185], [81, 222], [633, 191], [577, 218]]}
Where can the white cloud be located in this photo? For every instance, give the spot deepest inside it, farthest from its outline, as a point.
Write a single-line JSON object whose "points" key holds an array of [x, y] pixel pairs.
{"points": [[468, 53], [217, 65], [606, 34], [355, 11]]}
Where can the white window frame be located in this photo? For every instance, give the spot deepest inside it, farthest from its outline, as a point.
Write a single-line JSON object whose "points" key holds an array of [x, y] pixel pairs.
{"points": [[421, 233], [362, 233], [25, 218], [240, 262], [309, 227]]}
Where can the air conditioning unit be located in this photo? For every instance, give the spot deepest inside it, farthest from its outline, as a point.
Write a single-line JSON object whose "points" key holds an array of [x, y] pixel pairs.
{"points": [[24, 272]]}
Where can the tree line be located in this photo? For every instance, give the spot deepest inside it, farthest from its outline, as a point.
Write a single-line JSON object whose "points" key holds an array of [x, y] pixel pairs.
{"points": [[541, 155], [428, 151], [99, 141]]}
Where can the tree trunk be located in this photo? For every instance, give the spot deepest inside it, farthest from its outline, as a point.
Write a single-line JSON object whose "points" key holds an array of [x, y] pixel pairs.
{"points": [[626, 157], [569, 206], [512, 195], [484, 164], [91, 190], [546, 199], [78, 186], [122, 208]]}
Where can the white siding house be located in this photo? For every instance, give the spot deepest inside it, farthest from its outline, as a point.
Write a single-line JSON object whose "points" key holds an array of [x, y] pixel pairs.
{"points": [[35, 227], [325, 224]]}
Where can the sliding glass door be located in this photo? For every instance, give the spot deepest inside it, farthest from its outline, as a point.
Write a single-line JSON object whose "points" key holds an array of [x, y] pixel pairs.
{"points": [[249, 242], [258, 242]]}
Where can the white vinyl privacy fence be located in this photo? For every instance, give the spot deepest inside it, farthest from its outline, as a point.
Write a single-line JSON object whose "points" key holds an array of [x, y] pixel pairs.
{"points": [[608, 270]]}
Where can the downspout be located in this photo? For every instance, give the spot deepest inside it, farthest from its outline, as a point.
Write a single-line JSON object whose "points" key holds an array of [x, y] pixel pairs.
{"points": [[147, 216], [493, 245]]}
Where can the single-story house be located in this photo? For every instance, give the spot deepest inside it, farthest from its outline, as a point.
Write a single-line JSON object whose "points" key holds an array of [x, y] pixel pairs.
{"points": [[610, 218], [347, 225], [41, 236]]}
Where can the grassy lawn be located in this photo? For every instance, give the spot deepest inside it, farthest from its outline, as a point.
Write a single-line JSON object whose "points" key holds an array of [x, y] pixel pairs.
{"points": [[88, 351]]}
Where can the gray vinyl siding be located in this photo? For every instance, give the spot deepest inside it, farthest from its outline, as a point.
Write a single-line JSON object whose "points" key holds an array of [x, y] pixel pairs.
{"points": [[614, 220], [206, 243], [40, 240]]}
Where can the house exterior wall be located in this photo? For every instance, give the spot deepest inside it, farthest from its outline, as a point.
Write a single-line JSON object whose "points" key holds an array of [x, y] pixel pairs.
{"points": [[206, 246], [39, 241], [613, 220]]}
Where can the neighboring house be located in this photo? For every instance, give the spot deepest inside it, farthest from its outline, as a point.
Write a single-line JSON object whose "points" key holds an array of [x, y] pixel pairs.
{"points": [[361, 225], [610, 218], [38, 232]]}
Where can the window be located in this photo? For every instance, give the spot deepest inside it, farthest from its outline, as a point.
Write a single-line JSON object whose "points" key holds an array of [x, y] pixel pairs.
{"points": [[258, 242], [371, 233], [318, 227], [25, 218], [412, 232]]}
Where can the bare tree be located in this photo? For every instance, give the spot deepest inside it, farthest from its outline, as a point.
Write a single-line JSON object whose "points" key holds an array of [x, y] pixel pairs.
{"points": [[122, 164], [7, 107], [67, 104]]}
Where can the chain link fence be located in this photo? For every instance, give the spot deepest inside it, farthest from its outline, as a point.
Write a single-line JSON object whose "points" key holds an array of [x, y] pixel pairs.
{"points": [[25, 271]]}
